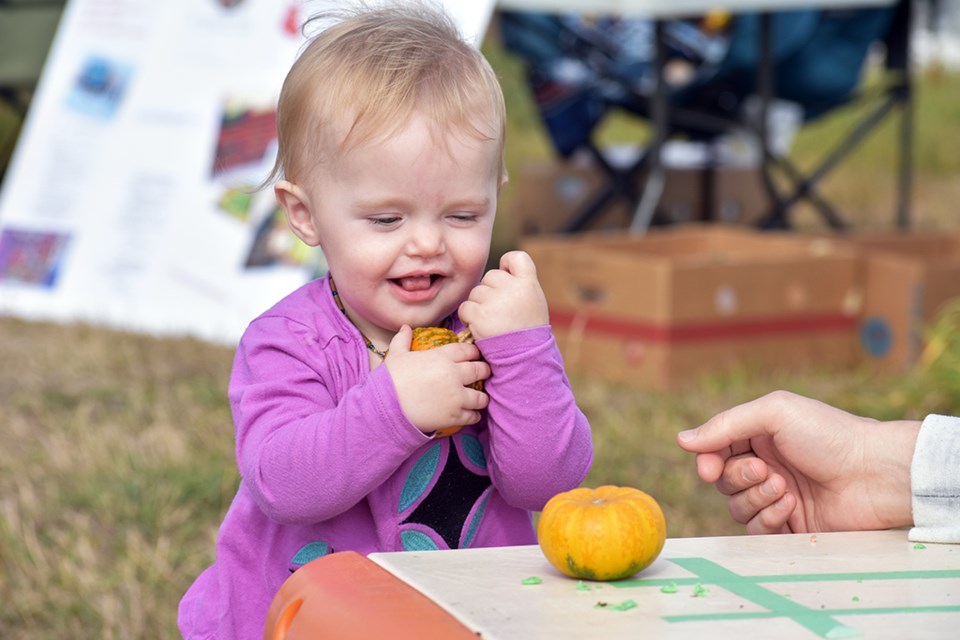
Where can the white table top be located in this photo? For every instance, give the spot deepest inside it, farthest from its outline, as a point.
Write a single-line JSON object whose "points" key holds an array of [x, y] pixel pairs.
{"points": [[675, 8], [868, 584]]}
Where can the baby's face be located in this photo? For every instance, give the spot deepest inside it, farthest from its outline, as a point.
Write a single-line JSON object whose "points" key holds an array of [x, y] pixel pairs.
{"points": [[405, 225]]}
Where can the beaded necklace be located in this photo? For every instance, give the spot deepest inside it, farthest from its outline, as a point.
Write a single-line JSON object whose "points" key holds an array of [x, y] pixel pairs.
{"points": [[366, 340]]}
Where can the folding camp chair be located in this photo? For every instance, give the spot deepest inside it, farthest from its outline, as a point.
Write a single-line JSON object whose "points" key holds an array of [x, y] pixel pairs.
{"points": [[579, 71], [812, 58]]}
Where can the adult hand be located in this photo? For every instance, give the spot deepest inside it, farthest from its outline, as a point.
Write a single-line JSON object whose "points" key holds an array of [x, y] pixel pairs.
{"points": [[793, 464]]}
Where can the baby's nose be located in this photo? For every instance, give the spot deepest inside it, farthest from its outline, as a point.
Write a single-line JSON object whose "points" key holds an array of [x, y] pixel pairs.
{"points": [[426, 239]]}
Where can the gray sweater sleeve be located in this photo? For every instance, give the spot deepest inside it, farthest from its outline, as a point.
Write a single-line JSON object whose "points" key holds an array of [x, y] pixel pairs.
{"points": [[935, 481]]}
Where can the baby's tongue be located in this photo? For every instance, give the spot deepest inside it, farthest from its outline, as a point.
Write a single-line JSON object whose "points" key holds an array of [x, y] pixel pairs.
{"points": [[415, 283]]}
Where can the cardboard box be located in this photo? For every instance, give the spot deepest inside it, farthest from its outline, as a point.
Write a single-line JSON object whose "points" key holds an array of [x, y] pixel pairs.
{"points": [[546, 196], [739, 196], [662, 309], [907, 280]]}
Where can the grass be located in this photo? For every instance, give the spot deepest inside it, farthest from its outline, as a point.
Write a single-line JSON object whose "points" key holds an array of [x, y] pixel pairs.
{"points": [[117, 463]]}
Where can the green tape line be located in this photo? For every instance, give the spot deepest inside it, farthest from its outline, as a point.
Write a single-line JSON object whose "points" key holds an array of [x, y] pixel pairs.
{"points": [[798, 577], [751, 615], [821, 622]]}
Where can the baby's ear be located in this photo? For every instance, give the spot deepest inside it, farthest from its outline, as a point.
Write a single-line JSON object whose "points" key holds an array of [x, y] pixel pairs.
{"points": [[298, 211]]}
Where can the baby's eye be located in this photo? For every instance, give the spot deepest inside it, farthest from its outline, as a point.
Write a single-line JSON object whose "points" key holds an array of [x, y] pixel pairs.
{"points": [[384, 220], [463, 217]]}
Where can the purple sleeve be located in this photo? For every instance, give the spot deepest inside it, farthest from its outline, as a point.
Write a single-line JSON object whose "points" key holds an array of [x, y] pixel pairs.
{"points": [[540, 442], [313, 435]]}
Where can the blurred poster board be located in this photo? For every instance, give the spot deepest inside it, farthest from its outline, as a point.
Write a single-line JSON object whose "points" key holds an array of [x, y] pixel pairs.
{"points": [[130, 201]]}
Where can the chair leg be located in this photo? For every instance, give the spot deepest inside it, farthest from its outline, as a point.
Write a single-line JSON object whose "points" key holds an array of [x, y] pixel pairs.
{"points": [[656, 176], [777, 217], [766, 78], [647, 206], [804, 187], [622, 184]]}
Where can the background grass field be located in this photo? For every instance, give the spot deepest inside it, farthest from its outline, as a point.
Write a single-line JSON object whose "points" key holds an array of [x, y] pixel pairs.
{"points": [[117, 458]]}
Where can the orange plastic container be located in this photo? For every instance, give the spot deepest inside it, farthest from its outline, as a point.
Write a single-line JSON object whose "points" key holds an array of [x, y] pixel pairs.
{"points": [[347, 596]]}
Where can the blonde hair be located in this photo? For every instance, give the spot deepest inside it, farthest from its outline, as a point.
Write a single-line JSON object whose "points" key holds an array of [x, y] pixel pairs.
{"points": [[368, 70]]}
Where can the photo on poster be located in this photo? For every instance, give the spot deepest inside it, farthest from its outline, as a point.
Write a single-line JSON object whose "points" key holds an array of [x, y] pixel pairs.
{"points": [[99, 87], [31, 257], [246, 147], [273, 244], [246, 142], [237, 201]]}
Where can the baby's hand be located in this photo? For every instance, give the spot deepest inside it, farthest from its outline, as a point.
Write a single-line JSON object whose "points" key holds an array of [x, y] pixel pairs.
{"points": [[507, 299], [431, 385]]}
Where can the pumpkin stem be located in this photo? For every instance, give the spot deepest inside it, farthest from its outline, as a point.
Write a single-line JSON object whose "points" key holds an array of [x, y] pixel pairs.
{"points": [[465, 336]]}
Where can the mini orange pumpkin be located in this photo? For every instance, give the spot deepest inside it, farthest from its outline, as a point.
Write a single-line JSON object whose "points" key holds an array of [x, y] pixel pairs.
{"points": [[607, 533], [425, 338], [430, 337]]}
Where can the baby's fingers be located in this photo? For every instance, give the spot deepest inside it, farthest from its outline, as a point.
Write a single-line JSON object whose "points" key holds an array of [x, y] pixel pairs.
{"points": [[474, 402], [474, 371]]}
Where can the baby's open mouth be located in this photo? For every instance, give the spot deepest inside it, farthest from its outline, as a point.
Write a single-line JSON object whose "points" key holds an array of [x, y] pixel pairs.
{"points": [[416, 283]]}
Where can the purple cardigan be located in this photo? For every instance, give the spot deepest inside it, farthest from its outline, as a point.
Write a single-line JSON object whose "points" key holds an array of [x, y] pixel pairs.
{"points": [[329, 462]]}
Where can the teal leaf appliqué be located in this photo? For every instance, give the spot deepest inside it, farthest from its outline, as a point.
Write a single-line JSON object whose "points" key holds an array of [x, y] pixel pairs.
{"points": [[475, 521], [311, 551], [419, 477], [473, 450], [417, 541]]}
